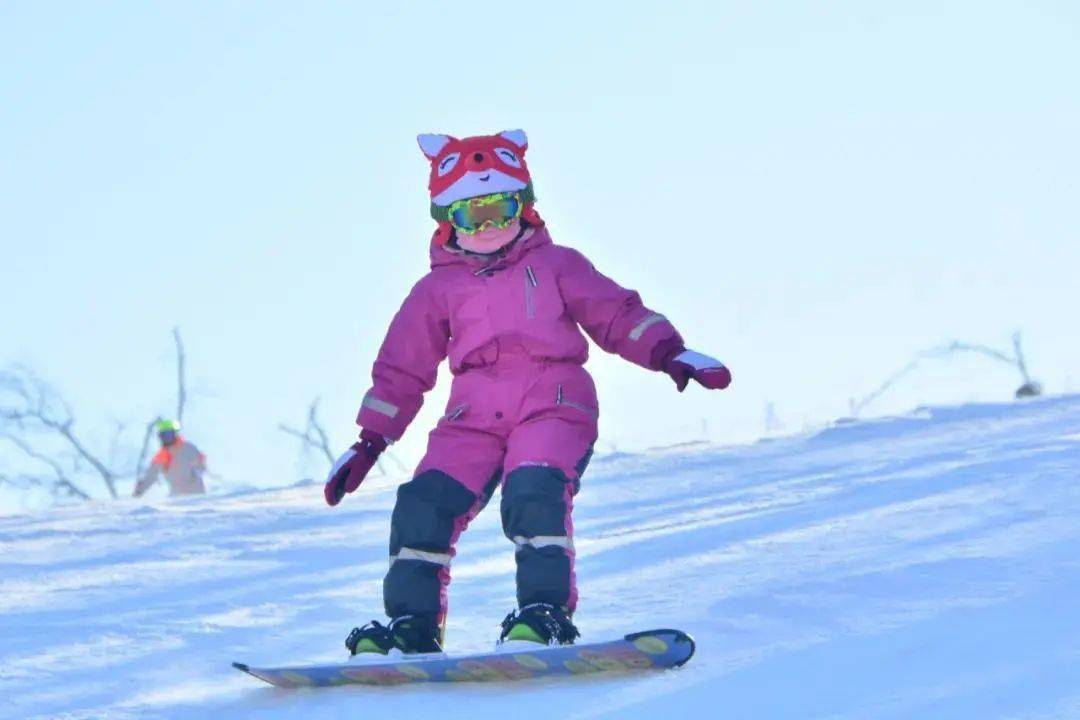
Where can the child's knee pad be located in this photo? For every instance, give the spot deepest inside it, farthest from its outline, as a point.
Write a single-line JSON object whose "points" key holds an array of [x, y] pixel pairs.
{"points": [[535, 508]]}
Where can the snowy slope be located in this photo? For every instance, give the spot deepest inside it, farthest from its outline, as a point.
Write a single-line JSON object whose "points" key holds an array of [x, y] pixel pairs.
{"points": [[926, 566]]}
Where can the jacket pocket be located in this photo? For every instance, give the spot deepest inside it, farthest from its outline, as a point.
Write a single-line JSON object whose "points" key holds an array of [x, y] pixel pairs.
{"points": [[560, 399], [530, 292]]}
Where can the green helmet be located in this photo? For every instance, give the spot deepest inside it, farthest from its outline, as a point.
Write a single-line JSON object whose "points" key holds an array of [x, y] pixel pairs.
{"points": [[164, 426]]}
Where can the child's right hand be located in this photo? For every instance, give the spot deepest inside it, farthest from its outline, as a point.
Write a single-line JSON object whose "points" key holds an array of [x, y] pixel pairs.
{"points": [[353, 466]]}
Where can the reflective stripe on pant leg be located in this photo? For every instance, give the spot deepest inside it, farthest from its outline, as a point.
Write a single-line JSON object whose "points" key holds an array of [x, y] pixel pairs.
{"points": [[431, 512], [535, 514]]}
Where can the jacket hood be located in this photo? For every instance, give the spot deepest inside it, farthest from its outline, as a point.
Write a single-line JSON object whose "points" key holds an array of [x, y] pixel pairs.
{"points": [[442, 256]]}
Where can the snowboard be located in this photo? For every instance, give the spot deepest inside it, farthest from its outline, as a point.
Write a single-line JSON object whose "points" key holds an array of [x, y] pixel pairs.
{"points": [[657, 649]]}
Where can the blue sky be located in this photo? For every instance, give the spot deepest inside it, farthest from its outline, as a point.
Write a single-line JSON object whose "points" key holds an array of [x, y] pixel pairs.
{"points": [[813, 192]]}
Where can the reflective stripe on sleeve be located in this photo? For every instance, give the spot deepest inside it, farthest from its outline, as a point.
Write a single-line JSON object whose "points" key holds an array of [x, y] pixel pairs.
{"points": [[380, 406], [645, 324]]}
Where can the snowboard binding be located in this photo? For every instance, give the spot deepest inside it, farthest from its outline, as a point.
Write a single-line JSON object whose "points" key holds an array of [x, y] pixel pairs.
{"points": [[541, 623], [410, 634]]}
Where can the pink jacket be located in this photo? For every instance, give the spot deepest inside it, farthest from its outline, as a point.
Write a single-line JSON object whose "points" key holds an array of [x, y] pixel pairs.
{"points": [[529, 303]]}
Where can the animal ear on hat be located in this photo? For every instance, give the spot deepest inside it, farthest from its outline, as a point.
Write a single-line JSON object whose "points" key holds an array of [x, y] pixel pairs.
{"points": [[432, 144], [517, 137]]}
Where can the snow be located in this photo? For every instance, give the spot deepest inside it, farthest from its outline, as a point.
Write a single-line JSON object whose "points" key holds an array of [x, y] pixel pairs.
{"points": [[919, 566]]}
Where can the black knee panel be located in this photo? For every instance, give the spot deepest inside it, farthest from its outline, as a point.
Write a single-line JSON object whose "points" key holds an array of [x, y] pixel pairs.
{"points": [[533, 502], [426, 509], [423, 520], [534, 516]]}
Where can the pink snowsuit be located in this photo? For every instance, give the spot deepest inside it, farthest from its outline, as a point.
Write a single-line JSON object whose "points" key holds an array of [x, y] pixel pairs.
{"points": [[522, 406]]}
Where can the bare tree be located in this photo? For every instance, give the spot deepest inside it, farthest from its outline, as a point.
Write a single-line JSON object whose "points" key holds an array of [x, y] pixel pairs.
{"points": [[1029, 387], [35, 420], [1015, 359], [30, 407], [314, 437]]}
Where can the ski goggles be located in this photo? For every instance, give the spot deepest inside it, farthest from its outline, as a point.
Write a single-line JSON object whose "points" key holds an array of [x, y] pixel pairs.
{"points": [[167, 437], [497, 210]]}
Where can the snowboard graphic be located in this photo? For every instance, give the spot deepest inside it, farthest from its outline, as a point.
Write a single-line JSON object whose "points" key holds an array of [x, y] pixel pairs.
{"points": [[657, 649]]}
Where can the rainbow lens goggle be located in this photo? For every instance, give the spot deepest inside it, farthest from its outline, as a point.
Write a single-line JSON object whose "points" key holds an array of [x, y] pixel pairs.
{"points": [[497, 210]]}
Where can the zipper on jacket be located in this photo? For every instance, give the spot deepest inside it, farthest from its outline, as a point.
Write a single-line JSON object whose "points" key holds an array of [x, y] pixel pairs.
{"points": [[457, 412], [530, 283], [492, 268], [560, 400]]}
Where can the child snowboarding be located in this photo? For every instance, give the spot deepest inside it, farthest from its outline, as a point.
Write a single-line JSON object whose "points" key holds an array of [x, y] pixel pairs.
{"points": [[508, 307]]}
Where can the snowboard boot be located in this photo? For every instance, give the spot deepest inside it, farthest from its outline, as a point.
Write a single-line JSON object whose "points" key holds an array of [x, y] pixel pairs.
{"points": [[539, 623], [408, 634]]}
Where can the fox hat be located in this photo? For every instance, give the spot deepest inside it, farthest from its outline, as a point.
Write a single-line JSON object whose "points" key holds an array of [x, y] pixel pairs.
{"points": [[476, 166]]}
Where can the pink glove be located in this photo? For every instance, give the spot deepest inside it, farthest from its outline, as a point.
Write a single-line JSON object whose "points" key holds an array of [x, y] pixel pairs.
{"points": [[672, 357], [353, 466]]}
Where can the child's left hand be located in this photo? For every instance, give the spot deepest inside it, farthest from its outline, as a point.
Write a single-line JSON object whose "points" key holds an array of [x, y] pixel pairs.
{"points": [[682, 365]]}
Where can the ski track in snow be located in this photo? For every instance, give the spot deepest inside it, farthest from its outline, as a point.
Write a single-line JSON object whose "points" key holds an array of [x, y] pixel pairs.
{"points": [[922, 566]]}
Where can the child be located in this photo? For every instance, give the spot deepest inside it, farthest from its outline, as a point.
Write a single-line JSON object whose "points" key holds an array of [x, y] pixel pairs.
{"points": [[505, 304]]}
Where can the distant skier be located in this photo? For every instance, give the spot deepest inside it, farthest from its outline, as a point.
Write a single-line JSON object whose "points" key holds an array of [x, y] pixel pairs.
{"points": [[178, 460], [506, 304]]}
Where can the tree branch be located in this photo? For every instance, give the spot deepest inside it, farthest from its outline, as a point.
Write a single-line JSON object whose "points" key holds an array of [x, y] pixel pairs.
{"points": [[1021, 363], [181, 384], [316, 429], [858, 406], [1015, 360], [313, 436], [140, 463], [956, 346], [61, 481], [106, 474], [38, 402]]}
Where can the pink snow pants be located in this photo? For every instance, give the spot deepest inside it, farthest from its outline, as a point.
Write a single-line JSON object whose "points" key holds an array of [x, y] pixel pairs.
{"points": [[528, 425]]}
